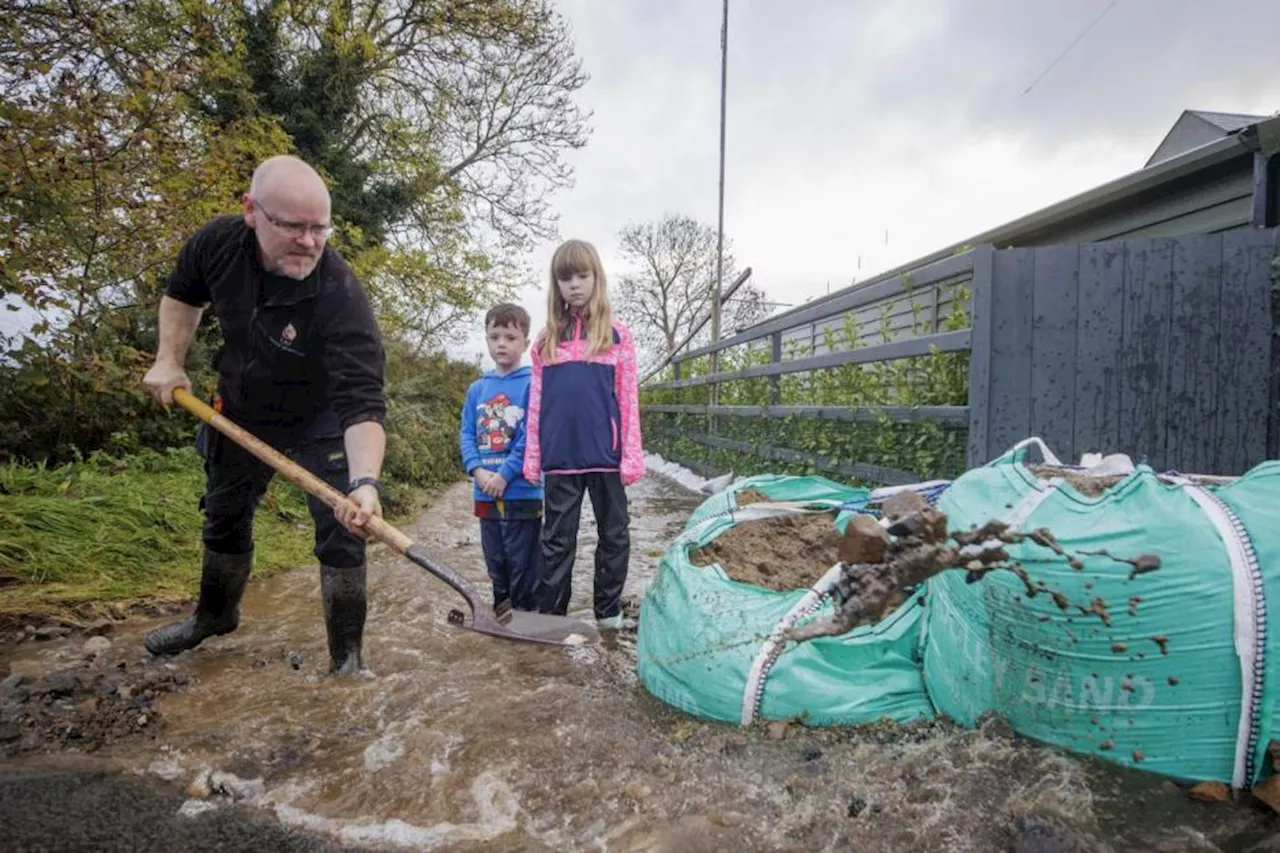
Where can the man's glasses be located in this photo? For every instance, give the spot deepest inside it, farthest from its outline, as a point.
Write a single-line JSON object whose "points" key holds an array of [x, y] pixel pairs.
{"points": [[295, 229]]}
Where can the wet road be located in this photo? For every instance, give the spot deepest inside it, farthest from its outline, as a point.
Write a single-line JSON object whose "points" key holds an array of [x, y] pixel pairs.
{"points": [[465, 742]]}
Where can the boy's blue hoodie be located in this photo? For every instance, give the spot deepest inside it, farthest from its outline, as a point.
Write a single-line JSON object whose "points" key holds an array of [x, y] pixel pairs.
{"points": [[493, 431]]}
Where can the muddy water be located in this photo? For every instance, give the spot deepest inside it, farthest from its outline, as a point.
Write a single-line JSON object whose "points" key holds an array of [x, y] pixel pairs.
{"points": [[464, 742]]}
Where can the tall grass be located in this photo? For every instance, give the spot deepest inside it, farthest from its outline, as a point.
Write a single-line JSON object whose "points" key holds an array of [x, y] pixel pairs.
{"points": [[108, 529]]}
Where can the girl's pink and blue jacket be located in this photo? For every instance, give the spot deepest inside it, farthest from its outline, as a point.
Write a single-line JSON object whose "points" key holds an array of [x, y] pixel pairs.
{"points": [[584, 413]]}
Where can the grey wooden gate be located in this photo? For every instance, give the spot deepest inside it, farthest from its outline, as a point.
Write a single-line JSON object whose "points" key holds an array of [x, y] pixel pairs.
{"points": [[1155, 347]]}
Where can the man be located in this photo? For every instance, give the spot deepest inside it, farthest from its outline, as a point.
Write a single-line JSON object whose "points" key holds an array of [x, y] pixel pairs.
{"points": [[301, 366]]}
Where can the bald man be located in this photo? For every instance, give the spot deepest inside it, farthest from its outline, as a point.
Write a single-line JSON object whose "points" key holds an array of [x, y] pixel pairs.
{"points": [[302, 367]]}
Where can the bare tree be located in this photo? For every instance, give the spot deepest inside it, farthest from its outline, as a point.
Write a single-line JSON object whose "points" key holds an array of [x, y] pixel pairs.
{"points": [[670, 281]]}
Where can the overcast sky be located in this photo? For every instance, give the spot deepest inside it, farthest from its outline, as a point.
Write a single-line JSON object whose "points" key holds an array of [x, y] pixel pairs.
{"points": [[847, 118]]}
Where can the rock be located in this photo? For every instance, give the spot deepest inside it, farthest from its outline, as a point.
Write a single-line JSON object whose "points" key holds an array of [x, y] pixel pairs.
{"points": [[50, 632], [96, 645], [1268, 790], [191, 808], [1210, 792], [865, 541], [58, 684], [777, 730], [903, 503], [200, 788], [231, 785], [13, 681], [100, 628], [857, 805], [1037, 833], [9, 732]]}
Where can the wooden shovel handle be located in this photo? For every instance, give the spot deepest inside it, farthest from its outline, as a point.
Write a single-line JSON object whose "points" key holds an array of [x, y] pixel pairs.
{"points": [[295, 473]]}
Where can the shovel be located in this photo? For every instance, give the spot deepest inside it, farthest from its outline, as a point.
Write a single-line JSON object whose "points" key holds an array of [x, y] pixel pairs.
{"points": [[505, 622]]}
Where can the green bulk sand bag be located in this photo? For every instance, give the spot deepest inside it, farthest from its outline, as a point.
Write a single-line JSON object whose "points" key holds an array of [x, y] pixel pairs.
{"points": [[705, 644], [1163, 670]]}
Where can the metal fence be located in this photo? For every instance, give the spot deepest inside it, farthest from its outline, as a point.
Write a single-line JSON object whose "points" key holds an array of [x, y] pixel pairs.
{"points": [[1161, 348]]}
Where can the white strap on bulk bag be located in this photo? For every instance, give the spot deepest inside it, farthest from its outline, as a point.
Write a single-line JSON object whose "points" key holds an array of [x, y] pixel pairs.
{"points": [[1250, 620], [1050, 458], [771, 649]]}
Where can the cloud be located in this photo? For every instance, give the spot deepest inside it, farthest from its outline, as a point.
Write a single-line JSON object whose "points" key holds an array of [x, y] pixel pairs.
{"points": [[850, 118]]}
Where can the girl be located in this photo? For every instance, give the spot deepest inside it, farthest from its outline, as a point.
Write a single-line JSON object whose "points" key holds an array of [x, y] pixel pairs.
{"points": [[583, 431]]}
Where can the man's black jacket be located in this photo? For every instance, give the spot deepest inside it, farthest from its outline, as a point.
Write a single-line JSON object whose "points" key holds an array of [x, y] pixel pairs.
{"points": [[297, 355]]}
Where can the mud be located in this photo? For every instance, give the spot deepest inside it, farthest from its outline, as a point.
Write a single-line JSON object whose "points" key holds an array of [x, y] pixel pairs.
{"points": [[921, 545], [783, 553], [104, 700], [466, 743], [1089, 486]]}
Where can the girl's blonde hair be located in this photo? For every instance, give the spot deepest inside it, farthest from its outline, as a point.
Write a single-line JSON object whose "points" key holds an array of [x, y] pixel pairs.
{"points": [[577, 256]]}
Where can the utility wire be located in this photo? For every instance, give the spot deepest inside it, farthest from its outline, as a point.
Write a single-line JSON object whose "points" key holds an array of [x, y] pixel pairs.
{"points": [[1071, 46]]}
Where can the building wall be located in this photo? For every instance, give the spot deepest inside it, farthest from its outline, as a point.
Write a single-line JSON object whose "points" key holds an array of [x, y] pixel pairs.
{"points": [[1208, 202]]}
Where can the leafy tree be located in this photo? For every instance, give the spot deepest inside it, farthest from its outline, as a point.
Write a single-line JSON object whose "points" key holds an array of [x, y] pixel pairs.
{"points": [[441, 125], [103, 171], [125, 124], [670, 284]]}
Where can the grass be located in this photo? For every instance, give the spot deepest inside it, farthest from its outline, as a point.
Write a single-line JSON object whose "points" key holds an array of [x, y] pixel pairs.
{"points": [[79, 536]]}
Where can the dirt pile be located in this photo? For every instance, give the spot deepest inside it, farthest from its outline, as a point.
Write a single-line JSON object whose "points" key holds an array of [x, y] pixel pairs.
{"points": [[783, 553], [84, 707]]}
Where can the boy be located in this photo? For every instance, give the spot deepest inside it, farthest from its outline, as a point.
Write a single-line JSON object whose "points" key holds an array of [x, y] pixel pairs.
{"points": [[492, 440]]}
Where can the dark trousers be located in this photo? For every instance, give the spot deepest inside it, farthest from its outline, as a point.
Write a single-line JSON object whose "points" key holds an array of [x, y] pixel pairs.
{"points": [[235, 481], [513, 556], [562, 503]]}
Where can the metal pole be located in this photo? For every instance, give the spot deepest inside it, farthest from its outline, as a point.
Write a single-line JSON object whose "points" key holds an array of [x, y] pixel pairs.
{"points": [[715, 302]]}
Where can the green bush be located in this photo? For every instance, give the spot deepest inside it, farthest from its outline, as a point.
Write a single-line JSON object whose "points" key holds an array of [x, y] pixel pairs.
{"points": [[67, 396], [424, 402], [924, 448]]}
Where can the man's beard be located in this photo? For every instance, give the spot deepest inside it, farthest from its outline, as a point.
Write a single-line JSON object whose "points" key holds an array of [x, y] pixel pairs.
{"points": [[284, 267]]}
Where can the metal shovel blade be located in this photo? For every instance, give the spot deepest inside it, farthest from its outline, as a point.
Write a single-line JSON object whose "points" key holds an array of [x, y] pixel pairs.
{"points": [[543, 628], [509, 624]]}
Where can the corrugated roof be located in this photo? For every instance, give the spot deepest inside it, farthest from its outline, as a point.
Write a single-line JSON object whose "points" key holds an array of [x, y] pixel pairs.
{"points": [[1228, 122]]}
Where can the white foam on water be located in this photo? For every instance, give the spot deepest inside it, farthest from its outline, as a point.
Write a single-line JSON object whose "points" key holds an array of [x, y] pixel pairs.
{"points": [[496, 804], [383, 752], [389, 747]]}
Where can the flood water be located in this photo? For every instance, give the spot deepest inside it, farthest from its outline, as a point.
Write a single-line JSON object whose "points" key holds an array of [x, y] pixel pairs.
{"points": [[465, 742]]}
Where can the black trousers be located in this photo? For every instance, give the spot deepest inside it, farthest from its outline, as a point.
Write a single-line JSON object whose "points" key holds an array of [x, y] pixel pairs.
{"points": [[235, 481], [562, 509]]}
